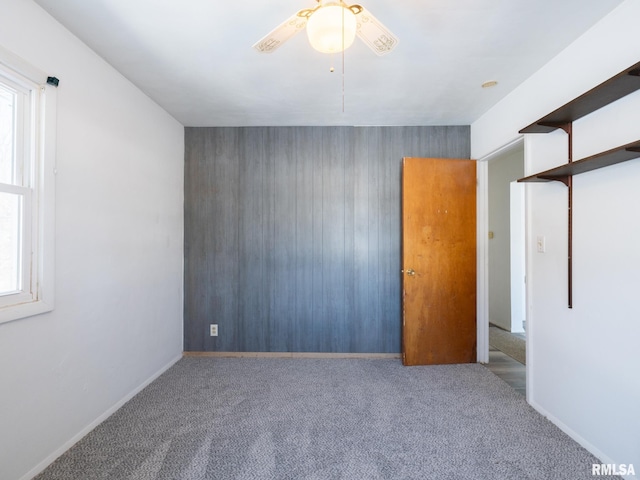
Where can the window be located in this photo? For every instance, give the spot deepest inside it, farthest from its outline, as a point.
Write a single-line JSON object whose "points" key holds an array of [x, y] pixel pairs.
{"points": [[26, 190]]}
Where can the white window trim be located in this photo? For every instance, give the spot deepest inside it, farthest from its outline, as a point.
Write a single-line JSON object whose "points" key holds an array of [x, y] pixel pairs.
{"points": [[43, 221]]}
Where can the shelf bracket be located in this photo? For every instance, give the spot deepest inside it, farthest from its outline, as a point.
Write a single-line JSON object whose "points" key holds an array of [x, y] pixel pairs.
{"points": [[566, 126], [557, 178], [568, 181]]}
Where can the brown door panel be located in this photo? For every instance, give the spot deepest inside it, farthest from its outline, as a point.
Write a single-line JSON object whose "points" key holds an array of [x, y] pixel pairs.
{"points": [[438, 261]]}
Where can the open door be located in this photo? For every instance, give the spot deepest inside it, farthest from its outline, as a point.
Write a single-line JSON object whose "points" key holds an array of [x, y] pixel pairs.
{"points": [[438, 261], [517, 256]]}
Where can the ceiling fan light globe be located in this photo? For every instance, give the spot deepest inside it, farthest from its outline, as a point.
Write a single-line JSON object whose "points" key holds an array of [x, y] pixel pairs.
{"points": [[326, 25]]}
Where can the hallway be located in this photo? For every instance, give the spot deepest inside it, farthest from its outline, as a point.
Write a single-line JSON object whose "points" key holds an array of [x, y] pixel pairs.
{"points": [[504, 366]]}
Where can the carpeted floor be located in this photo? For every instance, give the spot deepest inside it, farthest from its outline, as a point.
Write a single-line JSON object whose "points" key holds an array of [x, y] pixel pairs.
{"points": [[513, 345], [318, 419]]}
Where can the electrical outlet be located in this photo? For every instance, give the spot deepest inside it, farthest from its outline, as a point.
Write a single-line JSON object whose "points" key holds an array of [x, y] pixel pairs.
{"points": [[213, 330]]}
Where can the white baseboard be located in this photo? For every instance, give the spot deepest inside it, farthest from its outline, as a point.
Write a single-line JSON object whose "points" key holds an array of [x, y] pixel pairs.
{"points": [[292, 355], [573, 434], [76, 438]]}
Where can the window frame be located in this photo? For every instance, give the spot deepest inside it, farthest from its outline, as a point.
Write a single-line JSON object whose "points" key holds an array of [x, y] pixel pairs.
{"points": [[37, 190]]}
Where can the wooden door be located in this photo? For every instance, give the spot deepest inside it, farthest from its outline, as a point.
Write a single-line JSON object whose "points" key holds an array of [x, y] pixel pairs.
{"points": [[438, 261]]}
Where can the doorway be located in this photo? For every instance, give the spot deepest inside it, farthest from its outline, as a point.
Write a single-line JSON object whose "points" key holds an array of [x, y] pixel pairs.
{"points": [[505, 276], [506, 241]]}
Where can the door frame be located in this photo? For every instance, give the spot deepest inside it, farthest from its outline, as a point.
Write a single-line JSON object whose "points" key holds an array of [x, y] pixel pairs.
{"points": [[482, 225]]}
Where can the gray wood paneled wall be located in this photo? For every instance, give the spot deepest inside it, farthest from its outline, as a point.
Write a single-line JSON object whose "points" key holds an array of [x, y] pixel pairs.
{"points": [[292, 235]]}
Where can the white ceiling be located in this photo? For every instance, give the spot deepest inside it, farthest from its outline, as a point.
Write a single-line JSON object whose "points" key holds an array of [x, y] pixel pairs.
{"points": [[194, 57]]}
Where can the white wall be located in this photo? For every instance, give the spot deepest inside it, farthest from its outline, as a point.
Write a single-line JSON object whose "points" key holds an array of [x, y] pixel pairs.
{"points": [[502, 170], [119, 199], [583, 363]]}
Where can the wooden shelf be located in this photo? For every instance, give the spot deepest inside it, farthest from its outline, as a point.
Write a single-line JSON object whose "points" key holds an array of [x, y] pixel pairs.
{"points": [[604, 159], [621, 85]]}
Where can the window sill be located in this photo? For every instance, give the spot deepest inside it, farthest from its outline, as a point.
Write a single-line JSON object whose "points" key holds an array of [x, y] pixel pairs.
{"points": [[24, 310]]}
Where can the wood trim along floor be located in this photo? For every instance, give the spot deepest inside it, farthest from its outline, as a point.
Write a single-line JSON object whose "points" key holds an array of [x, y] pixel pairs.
{"points": [[292, 355]]}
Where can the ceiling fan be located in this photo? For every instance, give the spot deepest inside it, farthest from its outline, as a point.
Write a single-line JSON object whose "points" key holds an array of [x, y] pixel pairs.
{"points": [[331, 27]]}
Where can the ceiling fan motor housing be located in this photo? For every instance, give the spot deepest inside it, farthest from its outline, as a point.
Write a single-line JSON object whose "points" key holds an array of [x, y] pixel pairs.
{"points": [[331, 28]]}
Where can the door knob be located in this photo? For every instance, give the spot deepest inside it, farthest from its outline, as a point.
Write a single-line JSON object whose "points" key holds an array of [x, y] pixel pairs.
{"points": [[411, 272]]}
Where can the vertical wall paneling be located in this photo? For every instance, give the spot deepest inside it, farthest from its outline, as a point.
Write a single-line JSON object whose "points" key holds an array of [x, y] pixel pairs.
{"points": [[194, 249], [351, 214], [226, 278], [303, 326], [282, 175], [373, 317], [318, 341], [389, 253], [333, 238], [292, 235], [251, 258]]}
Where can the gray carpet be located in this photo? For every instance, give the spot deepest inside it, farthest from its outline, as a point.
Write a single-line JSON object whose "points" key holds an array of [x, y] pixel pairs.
{"points": [[318, 419], [512, 345]]}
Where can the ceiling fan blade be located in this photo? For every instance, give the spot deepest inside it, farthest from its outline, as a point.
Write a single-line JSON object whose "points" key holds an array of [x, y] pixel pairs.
{"points": [[372, 32], [281, 34]]}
